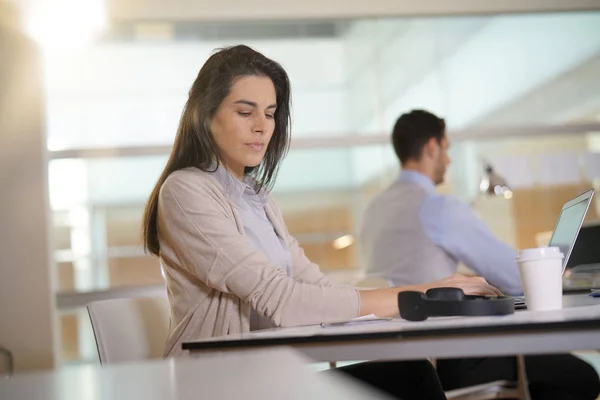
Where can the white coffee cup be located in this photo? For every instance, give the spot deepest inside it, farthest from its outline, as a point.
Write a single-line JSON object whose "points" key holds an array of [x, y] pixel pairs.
{"points": [[541, 274]]}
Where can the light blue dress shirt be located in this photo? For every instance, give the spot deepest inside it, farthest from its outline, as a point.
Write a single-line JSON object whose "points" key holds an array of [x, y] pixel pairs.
{"points": [[250, 205], [453, 226]]}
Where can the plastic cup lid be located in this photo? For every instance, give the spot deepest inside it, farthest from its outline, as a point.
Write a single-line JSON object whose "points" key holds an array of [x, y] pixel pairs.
{"points": [[539, 253]]}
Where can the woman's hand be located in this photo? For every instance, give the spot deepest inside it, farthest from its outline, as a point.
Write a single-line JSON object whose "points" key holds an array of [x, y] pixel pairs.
{"points": [[384, 302], [470, 285]]}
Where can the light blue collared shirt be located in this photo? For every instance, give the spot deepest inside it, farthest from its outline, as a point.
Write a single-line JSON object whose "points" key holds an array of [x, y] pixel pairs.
{"points": [[454, 227], [250, 204]]}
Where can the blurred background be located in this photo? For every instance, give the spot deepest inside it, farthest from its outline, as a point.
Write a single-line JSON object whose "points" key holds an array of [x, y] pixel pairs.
{"points": [[519, 90]]}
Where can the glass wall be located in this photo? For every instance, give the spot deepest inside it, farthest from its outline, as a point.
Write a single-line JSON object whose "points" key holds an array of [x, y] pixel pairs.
{"points": [[518, 91]]}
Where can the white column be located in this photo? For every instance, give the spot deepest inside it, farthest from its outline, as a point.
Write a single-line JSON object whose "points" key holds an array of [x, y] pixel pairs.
{"points": [[26, 269]]}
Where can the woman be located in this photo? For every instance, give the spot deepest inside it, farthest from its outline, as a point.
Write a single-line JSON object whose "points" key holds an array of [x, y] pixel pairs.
{"points": [[230, 264]]}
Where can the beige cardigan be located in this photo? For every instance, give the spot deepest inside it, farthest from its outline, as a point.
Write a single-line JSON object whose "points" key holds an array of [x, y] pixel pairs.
{"points": [[214, 274]]}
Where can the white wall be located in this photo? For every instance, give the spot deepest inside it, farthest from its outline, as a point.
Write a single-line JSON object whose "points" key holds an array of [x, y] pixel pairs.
{"points": [[132, 94], [462, 69]]}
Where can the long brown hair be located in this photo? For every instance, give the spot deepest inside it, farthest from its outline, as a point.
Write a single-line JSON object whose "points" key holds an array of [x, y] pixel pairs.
{"points": [[195, 145]]}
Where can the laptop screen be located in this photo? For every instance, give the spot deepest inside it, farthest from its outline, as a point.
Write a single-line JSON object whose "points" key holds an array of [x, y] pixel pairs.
{"points": [[568, 224], [586, 249]]}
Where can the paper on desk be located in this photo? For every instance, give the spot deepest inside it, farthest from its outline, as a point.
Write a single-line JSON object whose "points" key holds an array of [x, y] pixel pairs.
{"points": [[369, 317], [358, 320]]}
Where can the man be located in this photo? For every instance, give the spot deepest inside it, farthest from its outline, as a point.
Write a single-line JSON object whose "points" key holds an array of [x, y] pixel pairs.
{"points": [[412, 235]]}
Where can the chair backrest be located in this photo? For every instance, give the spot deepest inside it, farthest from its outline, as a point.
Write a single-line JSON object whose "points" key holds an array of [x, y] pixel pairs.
{"points": [[8, 361], [130, 329]]}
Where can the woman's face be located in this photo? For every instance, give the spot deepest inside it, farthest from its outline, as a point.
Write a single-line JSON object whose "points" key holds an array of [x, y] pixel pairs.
{"points": [[244, 123]]}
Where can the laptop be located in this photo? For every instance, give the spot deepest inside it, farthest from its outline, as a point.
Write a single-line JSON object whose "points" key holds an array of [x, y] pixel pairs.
{"points": [[582, 272], [566, 230]]}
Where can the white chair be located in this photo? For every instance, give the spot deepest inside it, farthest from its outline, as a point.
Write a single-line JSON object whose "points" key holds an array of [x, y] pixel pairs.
{"points": [[130, 329], [8, 361]]}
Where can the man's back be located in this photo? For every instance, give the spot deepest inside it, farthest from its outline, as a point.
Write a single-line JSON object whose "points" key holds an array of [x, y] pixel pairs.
{"points": [[412, 235], [393, 240]]}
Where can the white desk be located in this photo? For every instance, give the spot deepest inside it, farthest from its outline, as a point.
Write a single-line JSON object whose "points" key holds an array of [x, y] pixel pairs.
{"points": [[272, 374], [576, 327]]}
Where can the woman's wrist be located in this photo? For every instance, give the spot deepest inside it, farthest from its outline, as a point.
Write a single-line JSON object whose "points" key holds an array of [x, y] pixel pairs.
{"points": [[384, 302], [414, 288]]}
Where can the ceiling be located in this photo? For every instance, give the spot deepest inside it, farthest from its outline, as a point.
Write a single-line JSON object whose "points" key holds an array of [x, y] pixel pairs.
{"points": [[238, 10], [120, 11], [225, 31]]}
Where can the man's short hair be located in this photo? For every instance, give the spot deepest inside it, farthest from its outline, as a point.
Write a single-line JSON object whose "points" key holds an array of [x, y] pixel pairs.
{"points": [[413, 130]]}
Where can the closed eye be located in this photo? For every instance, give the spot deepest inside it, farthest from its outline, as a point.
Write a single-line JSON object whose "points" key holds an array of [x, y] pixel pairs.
{"points": [[244, 114], [270, 116]]}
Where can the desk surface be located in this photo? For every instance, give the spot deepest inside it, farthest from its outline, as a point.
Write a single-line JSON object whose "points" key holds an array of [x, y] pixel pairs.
{"points": [[272, 374], [524, 332]]}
